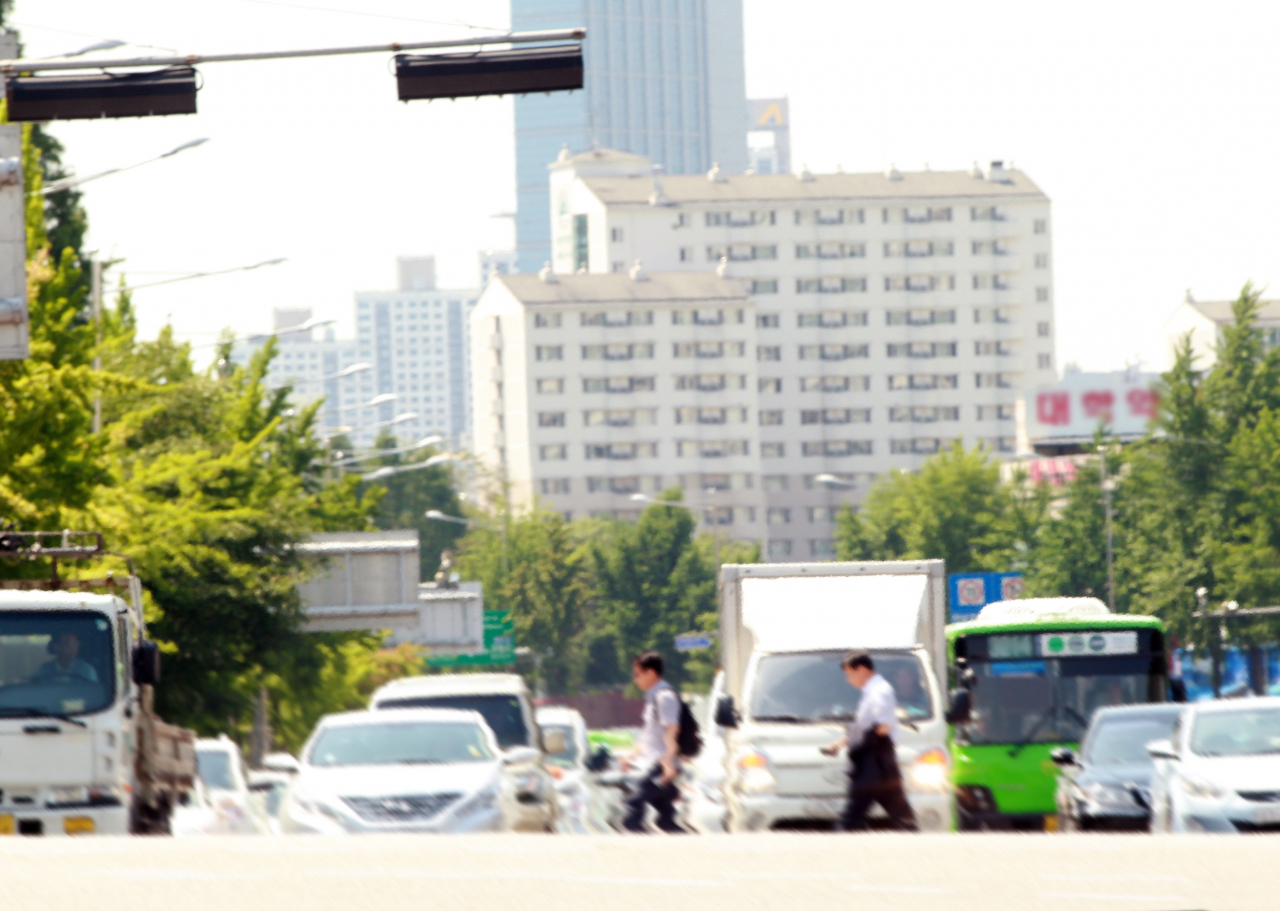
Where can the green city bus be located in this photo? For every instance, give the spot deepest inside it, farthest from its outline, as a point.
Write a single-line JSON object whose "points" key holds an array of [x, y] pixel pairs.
{"points": [[1028, 676]]}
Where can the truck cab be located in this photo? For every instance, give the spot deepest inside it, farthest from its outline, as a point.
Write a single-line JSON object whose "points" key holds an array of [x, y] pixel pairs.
{"points": [[68, 712], [784, 631]]}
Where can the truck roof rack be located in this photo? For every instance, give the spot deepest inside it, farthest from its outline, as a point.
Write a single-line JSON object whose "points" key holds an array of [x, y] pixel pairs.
{"points": [[65, 545]]}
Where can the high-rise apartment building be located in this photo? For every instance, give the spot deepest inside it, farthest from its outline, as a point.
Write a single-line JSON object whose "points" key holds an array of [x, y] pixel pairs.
{"points": [[416, 339], [896, 312], [664, 80], [595, 392]]}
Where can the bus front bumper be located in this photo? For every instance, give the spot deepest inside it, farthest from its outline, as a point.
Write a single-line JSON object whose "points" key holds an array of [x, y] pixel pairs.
{"points": [[89, 820]]}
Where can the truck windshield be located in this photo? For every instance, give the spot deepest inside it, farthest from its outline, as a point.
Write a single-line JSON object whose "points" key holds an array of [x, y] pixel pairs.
{"points": [[500, 711], [811, 686], [55, 663], [1050, 700]]}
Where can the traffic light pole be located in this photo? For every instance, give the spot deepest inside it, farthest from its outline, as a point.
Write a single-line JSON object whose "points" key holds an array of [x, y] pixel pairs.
{"points": [[10, 67]]}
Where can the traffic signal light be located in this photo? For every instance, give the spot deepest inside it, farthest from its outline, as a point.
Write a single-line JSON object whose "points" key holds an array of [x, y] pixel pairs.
{"points": [[513, 72], [90, 97]]}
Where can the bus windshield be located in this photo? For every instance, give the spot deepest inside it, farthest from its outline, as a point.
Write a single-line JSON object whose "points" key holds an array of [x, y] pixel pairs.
{"points": [[55, 663], [1050, 700]]}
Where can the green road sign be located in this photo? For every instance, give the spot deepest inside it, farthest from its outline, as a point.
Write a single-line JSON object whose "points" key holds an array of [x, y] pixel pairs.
{"points": [[499, 644]]}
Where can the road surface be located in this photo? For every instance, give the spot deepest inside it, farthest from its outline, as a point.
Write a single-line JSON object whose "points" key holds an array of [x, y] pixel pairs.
{"points": [[603, 873]]}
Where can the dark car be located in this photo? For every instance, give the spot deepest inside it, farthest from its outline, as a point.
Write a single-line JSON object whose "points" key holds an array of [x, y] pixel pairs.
{"points": [[1108, 784]]}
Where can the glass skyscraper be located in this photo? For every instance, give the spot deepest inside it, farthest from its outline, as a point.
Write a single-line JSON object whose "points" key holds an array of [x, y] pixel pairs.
{"points": [[663, 78]]}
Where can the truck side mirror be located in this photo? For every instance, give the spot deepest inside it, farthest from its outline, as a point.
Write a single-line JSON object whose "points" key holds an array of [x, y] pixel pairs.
{"points": [[1177, 690], [146, 663], [961, 707], [726, 714], [1063, 756]]}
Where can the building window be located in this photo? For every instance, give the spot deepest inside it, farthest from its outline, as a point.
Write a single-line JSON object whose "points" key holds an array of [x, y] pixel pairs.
{"points": [[836, 416], [711, 449], [1044, 361], [617, 318], [554, 453], [775, 483], [686, 253], [771, 418], [618, 384], [824, 513], [1042, 260], [769, 384], [768, 352], [779, 550], [836, 448], [772, 450], [550, 386], [992, 381], [736, 415], [768, 320], [550, 418], [630, 417], [1040, 226], [921, 349], [764, 286], [708, 349], [615, 235], [549, 353], [581, 248], [778, 515], [833, 352], [924, 414], [618, 266], [1042, 330], [990, 349], [711, 382], [985, 213], [824, 548], [546, 320], [1042, 295], [621, 450], [924, 381], [620, 352], [554, 485], [995, 413]]}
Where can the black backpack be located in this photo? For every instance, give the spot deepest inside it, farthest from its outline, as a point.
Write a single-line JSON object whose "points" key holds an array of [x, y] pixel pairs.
{"points": [[688, 738]]}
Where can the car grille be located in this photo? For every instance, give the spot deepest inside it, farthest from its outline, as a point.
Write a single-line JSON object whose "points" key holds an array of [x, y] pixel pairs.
{"points": [[1261, 796], [406, 808]]}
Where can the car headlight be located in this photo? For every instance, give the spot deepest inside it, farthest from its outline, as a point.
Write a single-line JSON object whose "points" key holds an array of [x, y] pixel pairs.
{"points": [[65, 796], [317, 807], [1110, 794], [754, 776], [929, 771], [1200, 787], [480, 802]]}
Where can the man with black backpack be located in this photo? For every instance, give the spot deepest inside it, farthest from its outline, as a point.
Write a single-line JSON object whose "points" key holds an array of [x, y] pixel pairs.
{"points": [[669, 732]]}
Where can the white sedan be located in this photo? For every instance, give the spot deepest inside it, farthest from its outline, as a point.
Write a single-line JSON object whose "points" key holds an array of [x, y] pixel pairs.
{"points": [[412, 770], [1220, 770]]}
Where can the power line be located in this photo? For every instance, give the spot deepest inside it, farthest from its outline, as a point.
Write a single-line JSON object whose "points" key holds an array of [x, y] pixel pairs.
{"points": [[63, 31], [350, 12]]}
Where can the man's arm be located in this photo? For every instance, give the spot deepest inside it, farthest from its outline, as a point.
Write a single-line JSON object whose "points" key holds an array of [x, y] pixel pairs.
{"points": [[670, 733]]}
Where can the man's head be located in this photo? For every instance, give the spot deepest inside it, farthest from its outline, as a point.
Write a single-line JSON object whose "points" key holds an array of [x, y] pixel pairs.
{"points": [[858, 668], [66, 646], [646, 670]]}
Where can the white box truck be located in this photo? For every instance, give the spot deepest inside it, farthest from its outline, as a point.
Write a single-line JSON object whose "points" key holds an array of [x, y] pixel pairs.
{"points": [[784, 629], [81, 749]]}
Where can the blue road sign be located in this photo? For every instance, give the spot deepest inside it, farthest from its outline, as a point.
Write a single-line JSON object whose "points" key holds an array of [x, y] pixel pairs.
{"points": [[693, 642]]}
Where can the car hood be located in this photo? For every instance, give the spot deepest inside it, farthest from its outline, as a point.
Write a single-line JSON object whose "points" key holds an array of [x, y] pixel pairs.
{"points": [[396, 780], [1119, 775], [1240, 773]]}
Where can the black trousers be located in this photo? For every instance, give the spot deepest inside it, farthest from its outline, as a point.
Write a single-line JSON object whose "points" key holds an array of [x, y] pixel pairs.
{"points": [[874, 778], [651, 792]]}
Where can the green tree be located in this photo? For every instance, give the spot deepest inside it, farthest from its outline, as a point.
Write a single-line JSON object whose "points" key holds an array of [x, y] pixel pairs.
{"points": [[410, 494], [954, 508]]}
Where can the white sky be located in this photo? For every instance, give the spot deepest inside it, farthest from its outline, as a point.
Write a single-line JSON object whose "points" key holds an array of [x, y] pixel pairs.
{"points": [[1151, 126]]}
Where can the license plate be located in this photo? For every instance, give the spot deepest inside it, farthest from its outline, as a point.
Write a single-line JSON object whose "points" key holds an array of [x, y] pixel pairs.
{"points": [[77, 825], [1264, 815], [6, 823]]}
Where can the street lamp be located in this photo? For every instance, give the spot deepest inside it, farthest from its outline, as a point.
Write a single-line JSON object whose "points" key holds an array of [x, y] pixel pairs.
{"points": [[423, 443], [832, 482], [1108, 488], [68, 182], [341, 374], [387, 471]]}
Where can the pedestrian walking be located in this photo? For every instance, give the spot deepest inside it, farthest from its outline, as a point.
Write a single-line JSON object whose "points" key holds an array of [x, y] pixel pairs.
{"points": [[658, 750], [874, 776]]}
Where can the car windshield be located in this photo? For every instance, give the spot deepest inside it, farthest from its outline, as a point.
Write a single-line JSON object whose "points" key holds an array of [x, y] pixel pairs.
{"points": [[403, 742], [500, 711], [1123, 741], [55, 663], [1247, 732], [215, 769], [569, 755], [1050, 700], [811, 686]]}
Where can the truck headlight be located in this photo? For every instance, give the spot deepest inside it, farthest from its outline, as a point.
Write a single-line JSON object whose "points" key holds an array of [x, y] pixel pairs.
{"points": [[929, 771], [754, 776], [482, 802]]}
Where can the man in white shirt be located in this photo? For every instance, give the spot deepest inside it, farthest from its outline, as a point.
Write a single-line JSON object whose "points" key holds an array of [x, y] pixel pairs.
{"points": [[657, 751], [874, 776]]}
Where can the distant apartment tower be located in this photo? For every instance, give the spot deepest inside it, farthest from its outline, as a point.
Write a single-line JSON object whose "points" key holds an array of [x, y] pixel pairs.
{"points": [[664, 80], [1205, 320], [769, 136], [896, 312], [310, 365], [416, 339], [593, 392], [496, 262]]}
